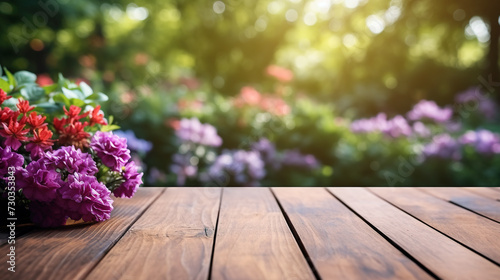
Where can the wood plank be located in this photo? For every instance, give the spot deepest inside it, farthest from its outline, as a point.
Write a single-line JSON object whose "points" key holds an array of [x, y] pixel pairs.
{"points": [[340, 244], [472, 230], [485, 206], [70, 252], [172, 240], [253, 239], [440, 254], [485, 191]]}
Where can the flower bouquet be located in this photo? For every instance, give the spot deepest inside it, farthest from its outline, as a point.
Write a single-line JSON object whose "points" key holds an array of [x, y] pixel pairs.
{"points": [[59, 159]]}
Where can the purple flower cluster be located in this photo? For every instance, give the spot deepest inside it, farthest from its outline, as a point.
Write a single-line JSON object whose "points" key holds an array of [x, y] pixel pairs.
{"points": [[395, 127], [8, 158], [111, 149], [294, 158], [473, 99], [421, 130], [63, 184], [135, 144], [191, 130], [267, 152], [429, 110], [443, 146], [133, 179], [484, 141], [243, 168], [183, 168]]}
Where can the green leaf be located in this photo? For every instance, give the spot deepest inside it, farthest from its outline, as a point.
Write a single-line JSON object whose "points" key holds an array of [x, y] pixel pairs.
{"points": [[11, 79], [86, 90], [11, 103], [48, 107], [109, 127], [25, 77], [60, 97], [99, 97], [4, 84], [50, 88], [77, 102], [72, 93], [63, 82], [32, 92]]}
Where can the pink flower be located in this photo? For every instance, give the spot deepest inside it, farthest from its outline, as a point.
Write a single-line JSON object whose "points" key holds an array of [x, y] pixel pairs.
{"points": [[280, 73], [250, 95]]}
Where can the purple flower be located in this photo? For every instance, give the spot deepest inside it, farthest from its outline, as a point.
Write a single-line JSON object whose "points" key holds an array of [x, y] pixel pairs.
{"points": [[134, 143], [421, 130], [474, 99], [443, 146], [294, 158], [133, 180], [72, 160], [47, 214], [267, 152], [39, 181], [240, 167], [183, 168], [8, 158], [191, 130], [155, 176], [426, 109], [375, 124], [111, 149], [36, 151], [396, 127], [484, 141], [83, 197]]}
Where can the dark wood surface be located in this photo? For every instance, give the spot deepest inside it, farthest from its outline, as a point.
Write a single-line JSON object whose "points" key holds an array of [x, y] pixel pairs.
{"points": [[278, 233]]}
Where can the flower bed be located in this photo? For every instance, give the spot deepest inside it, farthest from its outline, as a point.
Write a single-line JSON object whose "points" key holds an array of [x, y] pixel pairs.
{"points": [[59, 158]]}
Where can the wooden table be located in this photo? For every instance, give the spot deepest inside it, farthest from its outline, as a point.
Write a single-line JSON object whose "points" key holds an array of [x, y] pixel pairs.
{"points": [[278, 233]]}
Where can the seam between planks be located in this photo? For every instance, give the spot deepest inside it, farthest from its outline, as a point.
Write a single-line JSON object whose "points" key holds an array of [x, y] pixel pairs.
{"points": [[461, 206], [121, 235], [450, 237], [470, 210], [394, 244], [297, 238], [215, 236]]}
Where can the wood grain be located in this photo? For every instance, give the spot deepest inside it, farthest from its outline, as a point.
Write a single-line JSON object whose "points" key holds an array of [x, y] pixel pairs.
{"points": [[341, 245], [485, 206], [70, 252], [253, 239], [441, 255], [473, 230], [172, 240], [486, 192]]}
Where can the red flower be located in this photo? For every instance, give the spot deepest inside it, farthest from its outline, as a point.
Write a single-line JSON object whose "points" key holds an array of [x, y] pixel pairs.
{"points": [[6, 114], [41, 136], [96, 117], [14, 132], [24, 106], [74, 134], [44, 80], [36, 121], [74, 113], [40, 142], [60, 123], [3, 96]]}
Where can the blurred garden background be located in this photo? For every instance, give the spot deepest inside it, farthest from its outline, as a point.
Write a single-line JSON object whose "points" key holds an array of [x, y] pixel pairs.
{"points": [[281, 92]]}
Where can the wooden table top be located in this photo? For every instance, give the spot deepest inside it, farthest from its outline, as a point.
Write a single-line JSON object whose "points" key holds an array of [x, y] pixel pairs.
{"points": [[277, 233]]}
